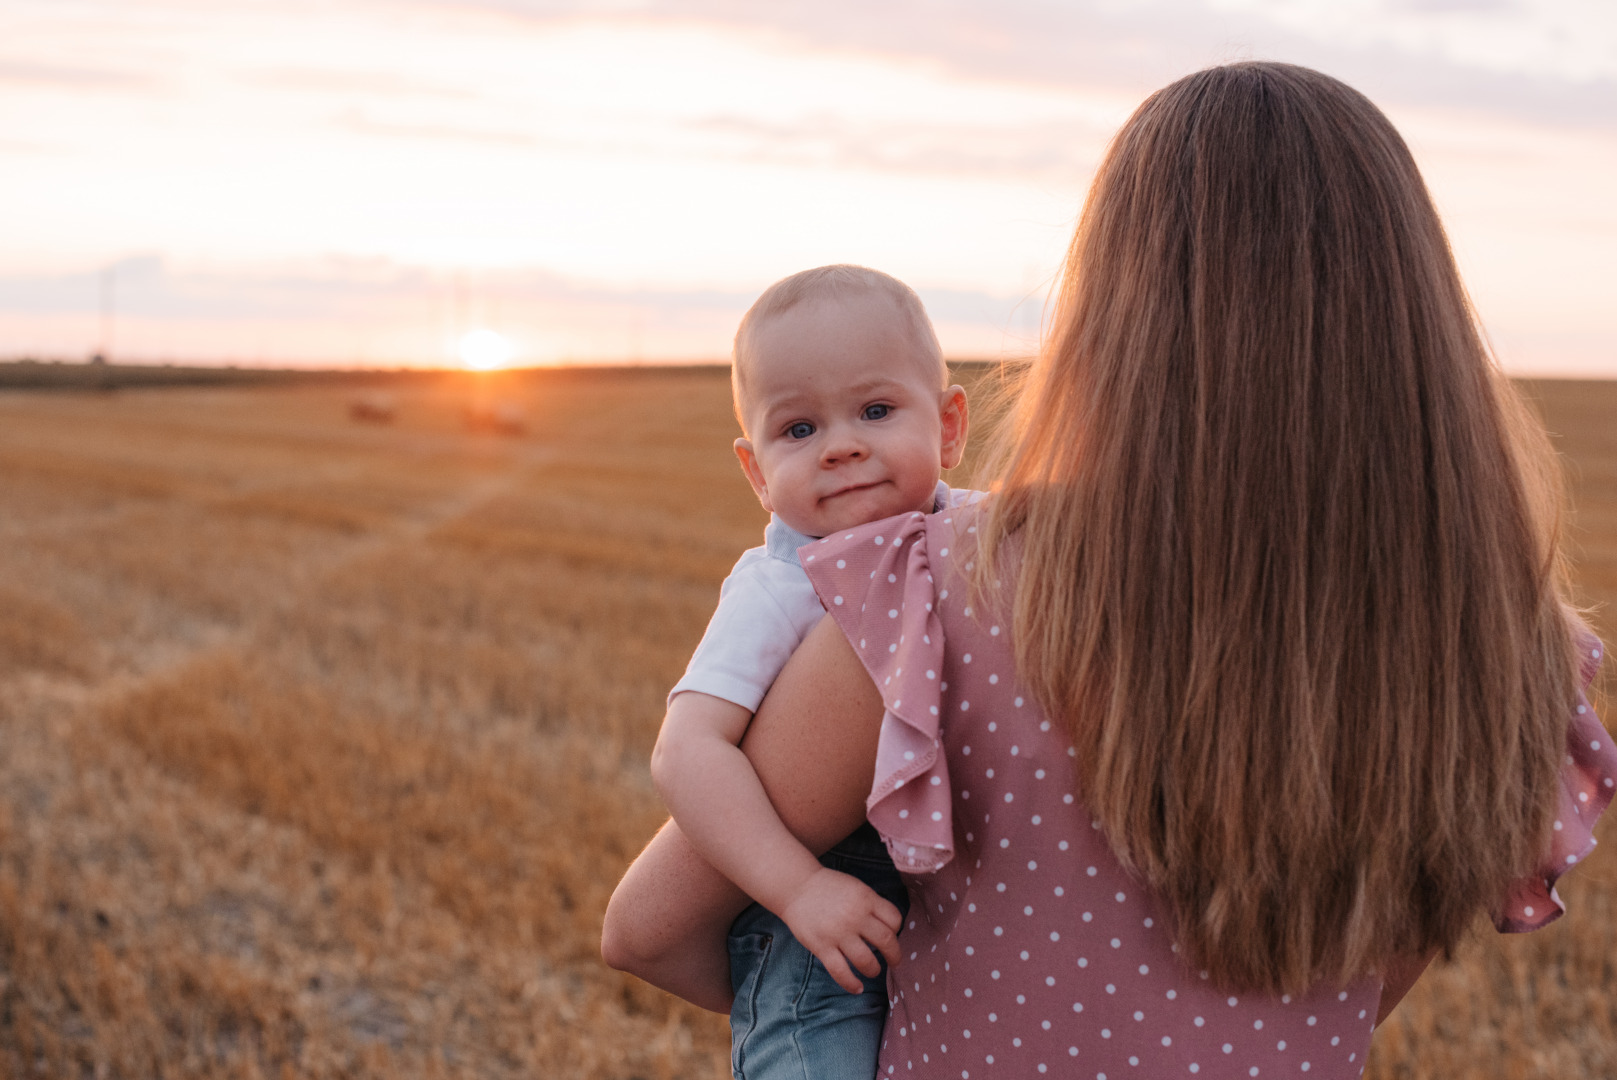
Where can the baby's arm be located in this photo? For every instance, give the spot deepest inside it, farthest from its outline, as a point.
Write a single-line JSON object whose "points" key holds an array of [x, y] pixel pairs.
{"points": [[720, 805]]}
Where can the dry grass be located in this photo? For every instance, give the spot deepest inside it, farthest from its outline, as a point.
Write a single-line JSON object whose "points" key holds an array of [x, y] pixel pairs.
{"points": [[322, 745]]}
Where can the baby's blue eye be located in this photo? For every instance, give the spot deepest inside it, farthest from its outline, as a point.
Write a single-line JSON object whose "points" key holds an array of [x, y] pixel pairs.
{"points": [[800, 430], [877, 412]]}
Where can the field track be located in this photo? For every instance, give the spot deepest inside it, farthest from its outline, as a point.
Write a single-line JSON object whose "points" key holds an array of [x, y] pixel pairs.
{"points": [[323, 742]]}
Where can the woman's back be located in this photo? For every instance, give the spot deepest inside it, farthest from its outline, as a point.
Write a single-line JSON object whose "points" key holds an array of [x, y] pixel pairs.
{"points": [[1030, 949]]}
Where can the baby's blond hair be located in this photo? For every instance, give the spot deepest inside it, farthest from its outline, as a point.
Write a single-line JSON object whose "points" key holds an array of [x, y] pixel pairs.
{"points": [[836, 280]]}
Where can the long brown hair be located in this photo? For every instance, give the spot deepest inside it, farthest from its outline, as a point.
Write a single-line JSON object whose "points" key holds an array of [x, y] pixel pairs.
{"points": [[1287, 539]]}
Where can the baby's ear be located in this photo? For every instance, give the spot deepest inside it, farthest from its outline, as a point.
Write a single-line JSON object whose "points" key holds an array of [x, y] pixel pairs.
{"points": [[754, 471], [952, 415]]}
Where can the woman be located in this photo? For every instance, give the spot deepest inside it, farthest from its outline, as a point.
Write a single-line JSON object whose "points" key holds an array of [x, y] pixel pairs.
{"points": [[1250, 685]]}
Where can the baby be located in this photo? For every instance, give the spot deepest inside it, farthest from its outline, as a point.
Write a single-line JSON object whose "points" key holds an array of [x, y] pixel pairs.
{"points": [[840, 388]]}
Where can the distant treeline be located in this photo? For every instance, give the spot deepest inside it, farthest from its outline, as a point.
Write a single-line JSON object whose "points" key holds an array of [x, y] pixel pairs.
{"points": [[28, 374]]}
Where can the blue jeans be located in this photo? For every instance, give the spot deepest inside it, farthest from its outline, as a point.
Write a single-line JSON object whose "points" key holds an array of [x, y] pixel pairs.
{"points": [[790, 1021]]}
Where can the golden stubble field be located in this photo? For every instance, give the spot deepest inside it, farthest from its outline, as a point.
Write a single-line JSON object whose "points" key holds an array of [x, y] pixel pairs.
{"points": [[323, 744]]}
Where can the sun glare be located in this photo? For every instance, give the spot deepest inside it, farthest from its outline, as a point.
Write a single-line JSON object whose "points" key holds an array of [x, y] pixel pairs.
{"points": [[485, 350]]}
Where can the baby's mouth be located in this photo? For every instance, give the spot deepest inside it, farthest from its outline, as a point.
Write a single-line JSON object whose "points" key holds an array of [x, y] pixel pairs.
{"points": [[852, 489]]}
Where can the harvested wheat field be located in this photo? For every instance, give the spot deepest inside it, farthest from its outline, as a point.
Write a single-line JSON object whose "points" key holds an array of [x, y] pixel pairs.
{"points": [[322, 743]]}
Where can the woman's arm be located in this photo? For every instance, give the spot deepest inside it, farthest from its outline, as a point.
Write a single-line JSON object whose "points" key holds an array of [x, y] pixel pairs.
{"points": [[668, 919], [813, 744]]}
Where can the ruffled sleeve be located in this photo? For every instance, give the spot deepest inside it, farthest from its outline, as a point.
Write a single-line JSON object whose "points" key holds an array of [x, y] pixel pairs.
{"points": [[1587, 779], [876, 581]]}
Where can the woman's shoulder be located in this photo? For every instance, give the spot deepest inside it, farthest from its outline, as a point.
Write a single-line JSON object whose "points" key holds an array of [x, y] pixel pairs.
{"points": [[881, 584]]}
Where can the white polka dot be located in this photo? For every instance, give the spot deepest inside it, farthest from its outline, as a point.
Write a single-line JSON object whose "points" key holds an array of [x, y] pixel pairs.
{"points": [[838, 600], [1228, 1048], [937, 815], [880, 540]]}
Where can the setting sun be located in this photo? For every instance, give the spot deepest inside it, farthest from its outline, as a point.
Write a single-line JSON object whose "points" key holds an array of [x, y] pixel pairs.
{"points": [[484, 350]]}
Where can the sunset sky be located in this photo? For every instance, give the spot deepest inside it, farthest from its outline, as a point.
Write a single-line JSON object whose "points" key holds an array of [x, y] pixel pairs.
{"points": [[368, 181]]}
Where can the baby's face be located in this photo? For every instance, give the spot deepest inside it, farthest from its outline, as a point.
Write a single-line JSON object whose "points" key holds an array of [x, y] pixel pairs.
{"points": [[847, 421]]}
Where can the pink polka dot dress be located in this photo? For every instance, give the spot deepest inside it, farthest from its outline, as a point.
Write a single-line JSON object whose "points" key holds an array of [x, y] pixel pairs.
{"points": [[1028, 950]]}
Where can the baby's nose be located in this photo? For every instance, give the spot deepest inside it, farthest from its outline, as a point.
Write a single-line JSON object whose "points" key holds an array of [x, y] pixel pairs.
{"points": [[844, 447]]}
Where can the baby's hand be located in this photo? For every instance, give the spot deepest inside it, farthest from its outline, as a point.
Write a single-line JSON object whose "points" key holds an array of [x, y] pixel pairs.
{"points": [[839, 919]]}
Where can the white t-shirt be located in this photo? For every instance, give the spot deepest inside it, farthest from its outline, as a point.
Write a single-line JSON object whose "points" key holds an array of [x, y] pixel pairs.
{"points": [[766, 608]]}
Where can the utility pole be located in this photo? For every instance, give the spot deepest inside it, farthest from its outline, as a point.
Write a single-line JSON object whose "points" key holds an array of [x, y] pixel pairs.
{"points": [[109, 278]]}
